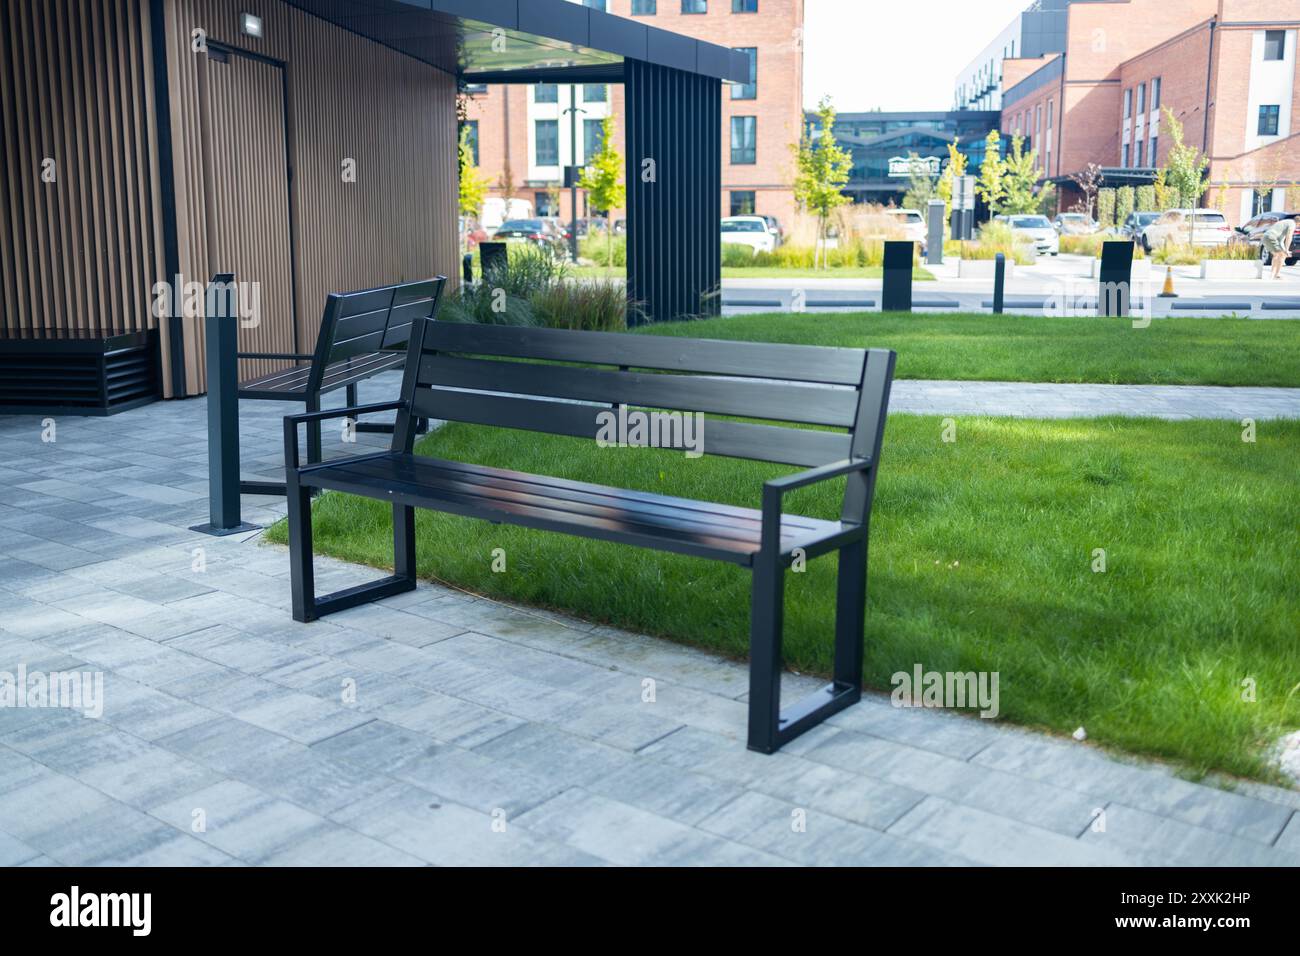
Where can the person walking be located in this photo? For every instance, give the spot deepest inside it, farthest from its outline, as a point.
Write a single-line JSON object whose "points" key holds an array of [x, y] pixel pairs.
{"points": [[1277, 241]]}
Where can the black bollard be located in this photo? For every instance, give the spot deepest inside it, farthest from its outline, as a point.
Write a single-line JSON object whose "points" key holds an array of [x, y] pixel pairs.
{"points": [[999, 281], [1115, 280], [467, 268], [896, 291]]}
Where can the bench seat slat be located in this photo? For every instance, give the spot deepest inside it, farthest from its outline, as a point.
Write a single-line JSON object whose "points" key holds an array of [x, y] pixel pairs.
{"points": [[778, 401], [292, 382], [801, 363], [772, 443], [666, 523]]}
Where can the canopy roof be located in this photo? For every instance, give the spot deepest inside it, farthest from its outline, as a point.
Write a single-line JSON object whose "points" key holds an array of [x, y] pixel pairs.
{"points": [[525, 41]]}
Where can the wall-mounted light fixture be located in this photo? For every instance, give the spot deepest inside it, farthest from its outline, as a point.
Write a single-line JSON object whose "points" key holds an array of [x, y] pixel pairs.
{"points": [[250, 25]]}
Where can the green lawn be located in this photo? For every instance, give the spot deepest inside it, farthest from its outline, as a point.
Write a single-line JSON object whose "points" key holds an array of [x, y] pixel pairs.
{"points": [[981, 559], [1175, 351], [865, 272]]}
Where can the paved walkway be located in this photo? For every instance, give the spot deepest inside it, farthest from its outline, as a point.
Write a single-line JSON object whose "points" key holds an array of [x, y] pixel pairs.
{"points": [[438, 728], [1033, 400]]}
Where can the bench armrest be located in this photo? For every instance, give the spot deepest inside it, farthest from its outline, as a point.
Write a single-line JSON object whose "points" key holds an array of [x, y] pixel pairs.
{"points": [[291, 423], [774, 491]]}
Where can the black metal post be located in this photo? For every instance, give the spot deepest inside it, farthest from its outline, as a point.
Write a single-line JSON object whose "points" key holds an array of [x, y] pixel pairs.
{"points": [[467, 268], [896, 290], [999, 281], [1115, 279], [221, 336]]}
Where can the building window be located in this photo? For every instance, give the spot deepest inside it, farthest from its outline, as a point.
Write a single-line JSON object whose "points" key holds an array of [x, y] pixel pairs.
{"points": [[545, 204], [1128, 103], [1155, 94], [546, 93], [1274, 44], [744, 6], [1124, 157], [472, 126], [1152, 153], [742, 202], [1137, 156], [744, 140], [1038, 119], [1268, 117], [695, 6], [593, 133], [593, 92], [643, 8], [1050, 104], [747, 91], [1260, 203], [547, 146]]}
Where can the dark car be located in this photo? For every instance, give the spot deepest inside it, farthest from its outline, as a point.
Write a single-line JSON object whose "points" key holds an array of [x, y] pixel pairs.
{"points": [[1137, 221], [1253, 232], [542, 233]]}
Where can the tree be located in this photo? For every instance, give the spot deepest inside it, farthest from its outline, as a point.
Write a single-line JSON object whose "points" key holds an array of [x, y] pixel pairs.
{"points": [[989, 185], [955, 168], [821, 172], [1185, 166], [1089, 181], [920, 184], [603, 180], [1047, 199], [1163, 196], [1019, 176], [473, 185]]}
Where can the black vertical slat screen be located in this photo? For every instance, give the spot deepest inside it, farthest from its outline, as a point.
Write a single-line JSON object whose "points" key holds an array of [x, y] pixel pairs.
{"points": [[674, 253]]}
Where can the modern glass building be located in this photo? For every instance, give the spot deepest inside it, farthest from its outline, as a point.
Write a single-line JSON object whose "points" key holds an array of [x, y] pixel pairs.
{"points": [[881, 144]]}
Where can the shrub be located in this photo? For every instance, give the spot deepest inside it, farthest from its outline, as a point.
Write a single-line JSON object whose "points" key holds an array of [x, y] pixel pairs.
{"points": [[1145, 197], [1235, 251], [598, 248], [1123, 203], [595, 306], [1082, 245], [995, 237], [737, 256], [1176, 254], [1106, 208]]}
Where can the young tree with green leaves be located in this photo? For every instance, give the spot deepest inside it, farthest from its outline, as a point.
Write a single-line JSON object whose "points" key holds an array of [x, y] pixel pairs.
{"points": [[920, 184], [1124, 204], [989, 185], [1106, 208], [473, 185], [1185, 165], [604, 182], [955, 168], [1019, 176], [822, 170]]}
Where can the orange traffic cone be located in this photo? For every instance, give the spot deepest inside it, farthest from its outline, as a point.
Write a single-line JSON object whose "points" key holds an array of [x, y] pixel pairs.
{"points": [[1168, 291]]}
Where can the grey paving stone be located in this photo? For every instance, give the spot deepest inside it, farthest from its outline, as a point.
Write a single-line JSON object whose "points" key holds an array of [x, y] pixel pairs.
{"points": [[1144, 788], [14, 852], [240, 820], [451, 719], [339, 846], [1031, 801], [1289, 839], [1153, 840], [990, 839], [664, 790], [447, 834]]}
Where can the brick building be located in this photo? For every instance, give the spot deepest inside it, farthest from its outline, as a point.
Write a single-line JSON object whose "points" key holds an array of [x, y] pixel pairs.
{"points": [[1225, 68], [524, 135]]}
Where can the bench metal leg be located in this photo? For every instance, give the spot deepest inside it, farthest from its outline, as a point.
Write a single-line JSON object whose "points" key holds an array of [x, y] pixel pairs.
{"points": [[313, 432], [302, 578], [352, 394], [770, 727]]}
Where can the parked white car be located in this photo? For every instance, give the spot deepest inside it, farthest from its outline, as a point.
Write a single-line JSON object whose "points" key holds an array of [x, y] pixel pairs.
{"points": [[497, 210], [1075, 224], [749, 231], [912, 223], [1037, 231], [1204, 227]]}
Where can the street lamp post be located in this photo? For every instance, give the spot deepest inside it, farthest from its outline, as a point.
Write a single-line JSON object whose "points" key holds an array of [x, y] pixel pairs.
{"points": [[573, 112]]}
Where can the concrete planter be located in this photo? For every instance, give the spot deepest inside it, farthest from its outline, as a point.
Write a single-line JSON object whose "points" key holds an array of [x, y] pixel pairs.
{"points": [[981, 268], [1230, 269]]}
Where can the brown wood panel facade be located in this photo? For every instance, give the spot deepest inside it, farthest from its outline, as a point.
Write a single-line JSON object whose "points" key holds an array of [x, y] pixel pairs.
{"points": [[308, 160], [370, 136], [80, 239]]}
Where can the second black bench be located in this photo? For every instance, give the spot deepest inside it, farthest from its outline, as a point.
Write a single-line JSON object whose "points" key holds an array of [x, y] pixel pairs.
{"points": [[362, 334]]}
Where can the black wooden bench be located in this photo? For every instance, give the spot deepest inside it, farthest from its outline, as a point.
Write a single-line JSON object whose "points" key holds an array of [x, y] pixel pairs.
{"points": [[468, 373], [362, 334]]}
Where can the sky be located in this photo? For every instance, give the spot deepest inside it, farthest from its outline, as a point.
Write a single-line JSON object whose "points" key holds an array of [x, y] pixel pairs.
{"points": [[895, 54]]}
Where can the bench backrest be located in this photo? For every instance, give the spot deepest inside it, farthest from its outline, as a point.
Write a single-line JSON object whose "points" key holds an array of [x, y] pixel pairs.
{"points": [[369, 320], [472, 373]]}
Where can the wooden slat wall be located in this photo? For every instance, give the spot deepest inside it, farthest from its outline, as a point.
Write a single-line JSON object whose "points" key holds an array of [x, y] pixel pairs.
{"points": [[347, 98], [76, 86]]}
